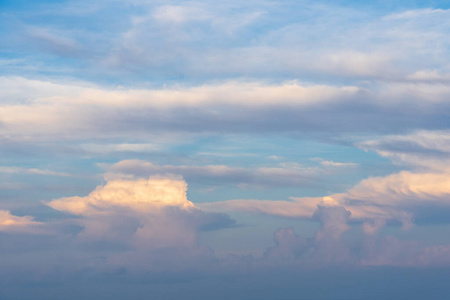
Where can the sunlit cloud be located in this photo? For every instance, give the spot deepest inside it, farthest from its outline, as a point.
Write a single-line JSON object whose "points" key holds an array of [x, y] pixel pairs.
{"points": [[12, 223], [323, 123], [147, 214]]}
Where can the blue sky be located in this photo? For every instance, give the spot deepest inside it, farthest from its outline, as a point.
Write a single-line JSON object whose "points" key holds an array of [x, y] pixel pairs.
{"points": [[169, 145]]}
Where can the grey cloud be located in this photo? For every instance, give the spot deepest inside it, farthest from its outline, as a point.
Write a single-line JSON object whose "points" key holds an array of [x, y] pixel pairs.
{"points": [[325, 248], [288, 108], [288, 246], [329, 247], [328, 255], [58, 43], [423, 150]]}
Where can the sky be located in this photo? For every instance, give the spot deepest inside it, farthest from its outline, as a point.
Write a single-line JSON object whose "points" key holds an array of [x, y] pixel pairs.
{"points": [[224, 149]]}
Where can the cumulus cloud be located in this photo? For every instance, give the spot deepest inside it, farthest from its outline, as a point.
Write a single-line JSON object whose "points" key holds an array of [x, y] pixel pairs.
{"points": [[288, 246], [142, 196], [329, 247], [143, 215]]}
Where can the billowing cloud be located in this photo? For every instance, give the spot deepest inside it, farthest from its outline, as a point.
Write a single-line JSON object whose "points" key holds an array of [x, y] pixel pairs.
{"points": [[142, 196], [325, 248], [145, 214], [329, 247]]}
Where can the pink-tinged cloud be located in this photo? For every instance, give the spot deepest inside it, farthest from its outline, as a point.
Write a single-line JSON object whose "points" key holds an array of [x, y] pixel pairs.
{"points": [[144, 215], [141, 195], [12, 223]]}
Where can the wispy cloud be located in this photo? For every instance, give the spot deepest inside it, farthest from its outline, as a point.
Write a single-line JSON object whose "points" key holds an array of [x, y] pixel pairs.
{"points": [[31, 171], [281, 175]]}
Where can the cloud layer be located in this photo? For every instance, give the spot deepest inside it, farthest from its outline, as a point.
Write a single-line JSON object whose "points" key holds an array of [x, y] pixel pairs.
{"points": [[323, 122]]}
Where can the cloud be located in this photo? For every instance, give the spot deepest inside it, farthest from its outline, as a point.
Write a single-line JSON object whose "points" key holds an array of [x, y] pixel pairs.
{"points": [[142, 196], [304, 207], [58, 43], [46, 111], [123, 147], [417, 13], [11, 223], [399, 196], [325, 248], [403, 189], [280, 175], [281, 40], [180, 14], [296, 208], [288, 246], [374, 73], [423, 150], [258, 39], [55, 109], [429, 76], [143, 216], [32, 171], [329, 247], [331, 163]]}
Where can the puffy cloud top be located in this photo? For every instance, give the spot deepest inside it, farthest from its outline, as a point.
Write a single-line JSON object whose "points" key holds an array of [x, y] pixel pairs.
{"points": [[141, 195]]}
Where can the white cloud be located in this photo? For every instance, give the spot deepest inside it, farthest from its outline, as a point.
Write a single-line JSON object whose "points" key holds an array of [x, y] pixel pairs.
{"points": [[417, 13], [144, 214], [142, 196], [403, 189], [72, 110], [32, 171], [423, 150], [44, 110], [331, 163], [181, 14], [429, 76], [122, 147]]}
